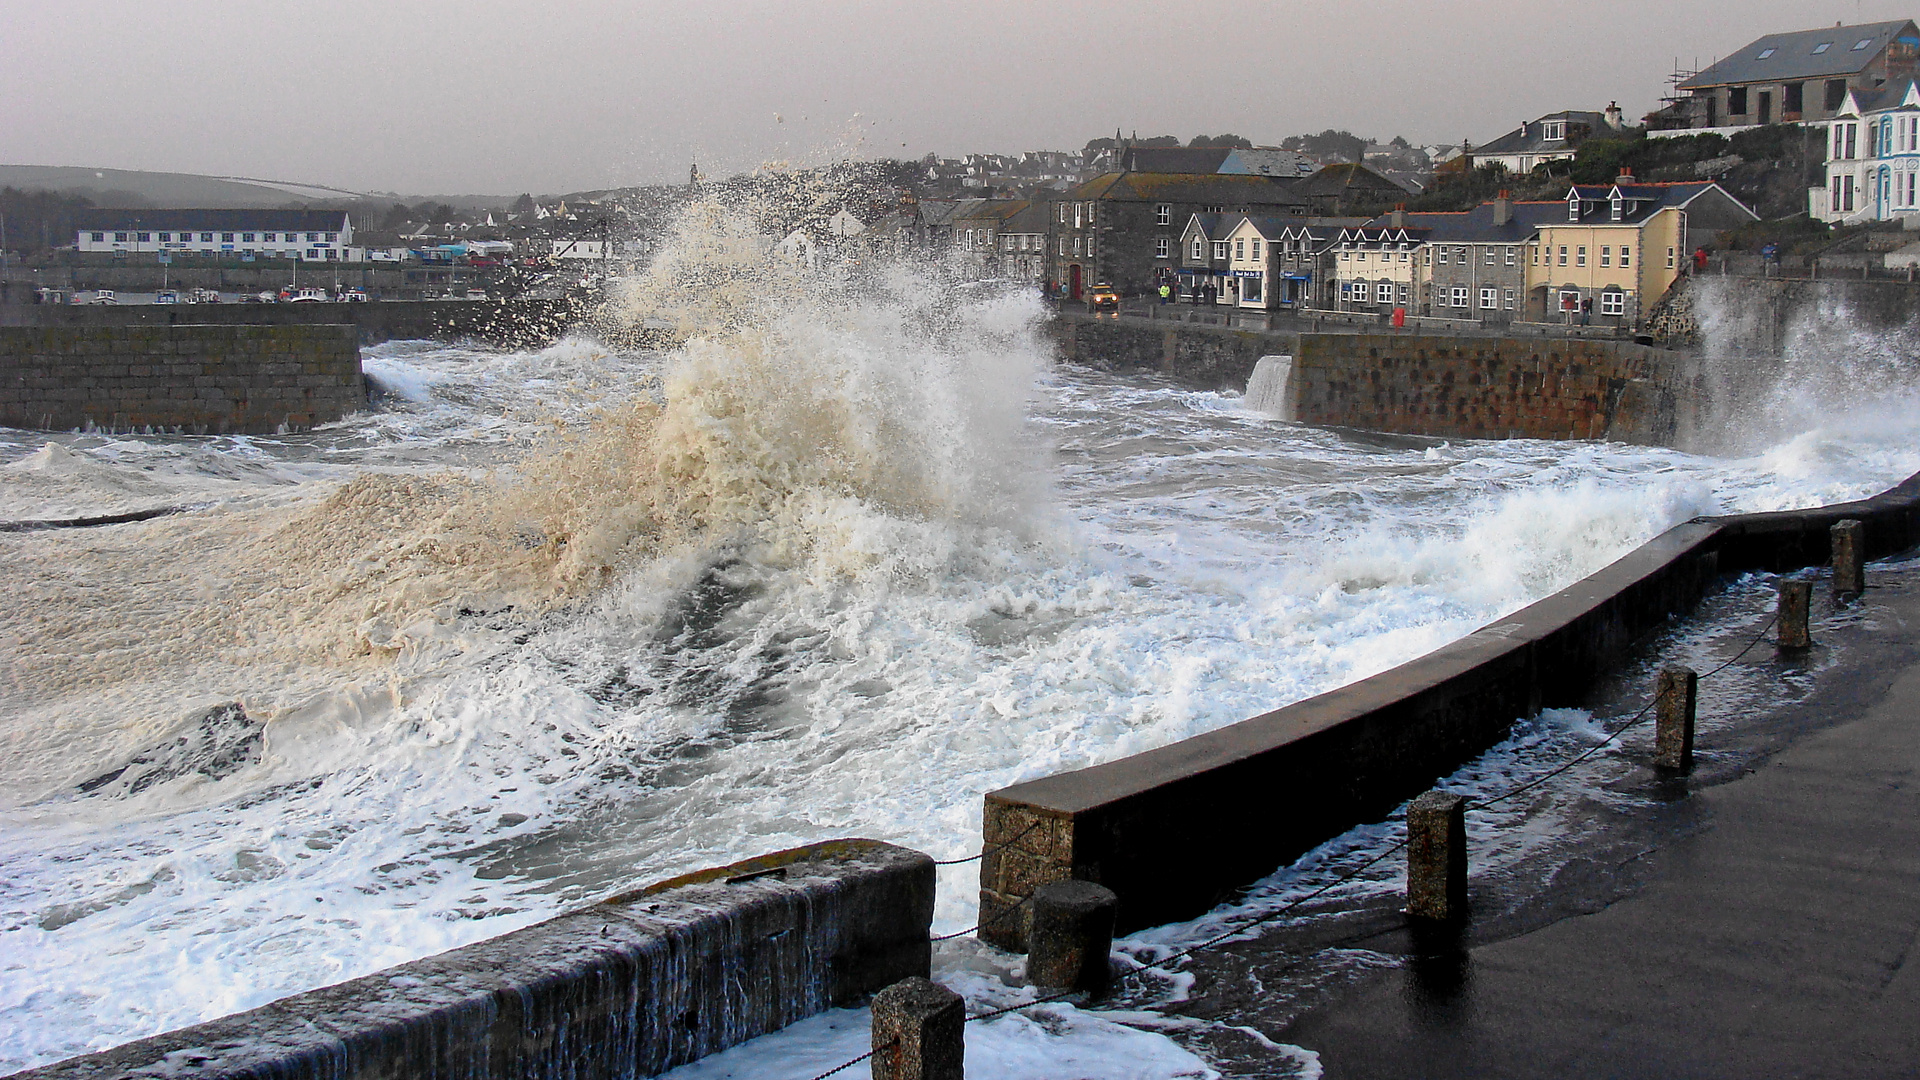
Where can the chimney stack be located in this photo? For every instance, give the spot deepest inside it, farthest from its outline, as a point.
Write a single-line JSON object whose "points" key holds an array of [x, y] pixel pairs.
{"points": [[1398, 219], [1502, 208], [1625, 177], [1613, 115]]}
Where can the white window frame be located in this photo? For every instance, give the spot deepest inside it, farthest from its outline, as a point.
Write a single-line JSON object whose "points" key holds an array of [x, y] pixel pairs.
{"points": [[1626, 256], [1672, 255], [1510, 255], [1160, 248], [1606, 255], [1613, 302], [1459, 296], [1254, 250], [1163, 214], [1220, 250], [1507, 295], [1489, 298], [1383, 292], [1199, 249]]}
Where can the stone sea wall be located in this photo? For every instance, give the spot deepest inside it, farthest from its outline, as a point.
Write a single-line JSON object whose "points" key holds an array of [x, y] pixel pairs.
{"points": [[634, 986], [197, 379]]}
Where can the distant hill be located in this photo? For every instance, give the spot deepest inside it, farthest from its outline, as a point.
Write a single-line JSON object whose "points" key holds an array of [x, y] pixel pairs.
{"points": [[109, 186]]}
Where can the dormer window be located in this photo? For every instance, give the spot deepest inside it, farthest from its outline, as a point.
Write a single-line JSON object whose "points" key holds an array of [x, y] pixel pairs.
{"points": [[1764, 53], [1822, 47], [1573, 209], [1553, 130], [1619, 209]]}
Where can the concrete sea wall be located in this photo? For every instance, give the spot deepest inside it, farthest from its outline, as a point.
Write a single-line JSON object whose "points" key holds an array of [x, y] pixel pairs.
{"points": [[634, 986], [1423, 384], [200, 379], [1174, 830]]}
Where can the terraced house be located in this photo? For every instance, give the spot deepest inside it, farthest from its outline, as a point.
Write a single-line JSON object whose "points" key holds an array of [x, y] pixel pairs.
{"points": [[1474, 263], [1873, 157], [1378, 268]]}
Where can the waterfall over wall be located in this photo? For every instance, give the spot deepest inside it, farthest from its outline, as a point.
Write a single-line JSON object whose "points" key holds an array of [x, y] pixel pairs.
{"points": [[1270, 387]]}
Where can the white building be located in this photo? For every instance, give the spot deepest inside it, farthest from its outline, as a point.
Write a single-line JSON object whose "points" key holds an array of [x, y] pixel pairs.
{"points": [[1873, 157], [309, 235]]}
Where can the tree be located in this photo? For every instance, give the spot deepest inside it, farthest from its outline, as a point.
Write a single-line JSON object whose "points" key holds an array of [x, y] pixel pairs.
{"points": [[1238, 142]]}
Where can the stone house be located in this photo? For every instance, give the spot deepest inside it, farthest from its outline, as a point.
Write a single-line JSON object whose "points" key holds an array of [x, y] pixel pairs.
{"points": [[1798, 77], [978, 229], [1125, 227], [1873, 157], [1347, 189]]}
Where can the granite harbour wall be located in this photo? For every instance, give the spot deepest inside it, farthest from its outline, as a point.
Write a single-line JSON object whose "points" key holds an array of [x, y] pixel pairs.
{"points": [[1175, 830], [197, 379], [634, 986], [1447, 386]]}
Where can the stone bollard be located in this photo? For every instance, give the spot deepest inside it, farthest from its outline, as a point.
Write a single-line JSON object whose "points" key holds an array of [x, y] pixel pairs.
{"points": [[1437, 857], [1849, 558], [1071, 938], [1796, 599], [919, 1032], [1674, 700]]}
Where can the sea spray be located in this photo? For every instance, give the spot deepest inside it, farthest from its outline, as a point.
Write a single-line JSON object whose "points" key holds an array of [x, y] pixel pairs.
{"points": [[852, 556]]}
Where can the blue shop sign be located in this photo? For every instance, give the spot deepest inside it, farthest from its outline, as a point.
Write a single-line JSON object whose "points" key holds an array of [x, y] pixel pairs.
{"points": [[1249, 273]]}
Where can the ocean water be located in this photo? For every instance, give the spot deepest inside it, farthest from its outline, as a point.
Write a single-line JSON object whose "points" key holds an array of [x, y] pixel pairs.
{"points": [[538, 626]]}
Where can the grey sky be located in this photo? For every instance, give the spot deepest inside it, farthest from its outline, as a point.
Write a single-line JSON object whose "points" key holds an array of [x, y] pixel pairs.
{"points": [[501, 96]]}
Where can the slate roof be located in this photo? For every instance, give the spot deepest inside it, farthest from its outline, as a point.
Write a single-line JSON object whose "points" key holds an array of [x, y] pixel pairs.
{"points": [[1476, 226], [1174, 159], [211, 220], [1793, 56], [1647, 199], [1890, 96], [1335, 179], [1266, 163], [1188, 188]]}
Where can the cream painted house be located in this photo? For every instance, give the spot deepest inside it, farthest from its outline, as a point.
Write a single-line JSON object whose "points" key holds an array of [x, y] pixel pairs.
{"points": [[1621, 246], [1379, 269]]}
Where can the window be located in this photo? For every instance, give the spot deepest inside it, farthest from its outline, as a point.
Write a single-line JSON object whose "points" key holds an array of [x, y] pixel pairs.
{"points": [[1250, 289], [1836, 93], [1383, 293], [1256, 249], [267, 237], [1406, 294], [246, 238], [99, 238], [1822, 47], [333, 237], [1563, 254], [1220, 249], [1459, 296], [1573, 209], [1580, 255], [1063, 245], [1510, 257], [1063, 213], [1764, 53], [1606, 255], [1160, 247], [1489, 299], [166, 237], [1076, 245], [1737, 100], [1670, 258], [1089, 247], [144, 238], [1403, 255], [1240, 249], [226, 238], [1199, 249], [1626, 256], [206, 238], [1613, 303], [1079, 215], [1861, 44], [1163, 214], [1619, 207], [1443, 256], [1006, 244], [1508, 297], [1551, 130]]}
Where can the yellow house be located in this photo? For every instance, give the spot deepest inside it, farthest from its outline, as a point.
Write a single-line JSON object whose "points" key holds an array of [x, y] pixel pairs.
{"points": [[1621, 246]]}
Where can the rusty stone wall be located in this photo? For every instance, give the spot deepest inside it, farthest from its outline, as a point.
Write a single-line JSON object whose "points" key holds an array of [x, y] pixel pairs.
{"points": [[1493, 388], [196, 379]]}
